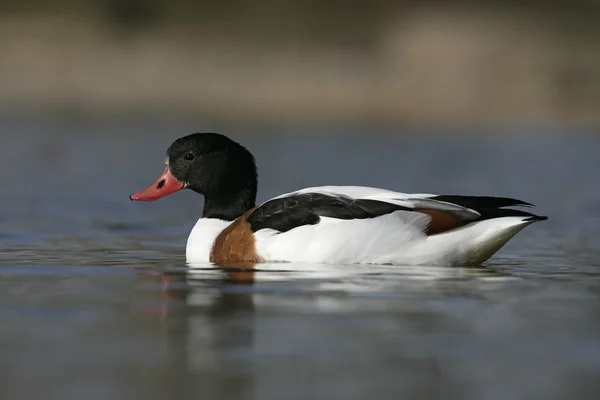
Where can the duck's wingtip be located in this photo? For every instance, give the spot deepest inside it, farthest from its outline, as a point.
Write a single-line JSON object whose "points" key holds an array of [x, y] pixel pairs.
{"points": [[535, 218]]}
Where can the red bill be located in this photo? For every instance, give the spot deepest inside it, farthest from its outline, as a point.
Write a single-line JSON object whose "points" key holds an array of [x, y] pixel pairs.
{"points": [[164, 186]]}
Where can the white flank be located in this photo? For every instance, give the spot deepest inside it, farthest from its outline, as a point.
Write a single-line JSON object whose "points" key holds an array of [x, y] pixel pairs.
{"points": [[395, 238]]}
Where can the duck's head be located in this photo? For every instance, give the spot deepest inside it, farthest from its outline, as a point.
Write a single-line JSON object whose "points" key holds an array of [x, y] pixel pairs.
{"points": [[212, 165]]}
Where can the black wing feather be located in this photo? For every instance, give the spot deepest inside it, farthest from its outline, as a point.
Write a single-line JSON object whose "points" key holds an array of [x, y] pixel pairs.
{"points": [[293, 217], [491, 207], [481, 202], [289, 212]]}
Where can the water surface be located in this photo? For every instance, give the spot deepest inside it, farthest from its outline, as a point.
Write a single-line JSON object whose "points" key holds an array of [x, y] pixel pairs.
{"points": [[97, 301]]}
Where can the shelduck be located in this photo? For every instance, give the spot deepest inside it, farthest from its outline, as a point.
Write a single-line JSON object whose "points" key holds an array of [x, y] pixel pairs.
{"points": [[327, 224]]}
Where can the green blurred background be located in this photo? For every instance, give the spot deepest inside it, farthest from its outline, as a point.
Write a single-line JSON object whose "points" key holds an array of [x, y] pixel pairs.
{"points": [[394, 63]]}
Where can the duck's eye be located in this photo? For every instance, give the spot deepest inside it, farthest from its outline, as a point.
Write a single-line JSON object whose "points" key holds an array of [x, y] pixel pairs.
{"points": [[189, 156]]}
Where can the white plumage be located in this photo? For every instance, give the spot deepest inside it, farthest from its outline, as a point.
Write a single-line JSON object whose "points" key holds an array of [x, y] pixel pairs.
{"points": [[395, 238]]}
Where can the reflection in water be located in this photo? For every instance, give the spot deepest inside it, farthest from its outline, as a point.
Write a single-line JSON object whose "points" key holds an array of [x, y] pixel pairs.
{"points": [[204, 322], [231, 335]]}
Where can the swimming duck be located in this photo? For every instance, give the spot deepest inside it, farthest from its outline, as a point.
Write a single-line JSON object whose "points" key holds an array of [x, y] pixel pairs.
{"points": [[327, 224]]}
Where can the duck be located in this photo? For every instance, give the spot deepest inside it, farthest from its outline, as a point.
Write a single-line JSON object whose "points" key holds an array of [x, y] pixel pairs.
{"points": [[326, 224]]}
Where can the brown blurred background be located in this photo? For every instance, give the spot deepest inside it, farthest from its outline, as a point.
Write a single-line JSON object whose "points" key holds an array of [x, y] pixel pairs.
{"points": [[397, 63]]}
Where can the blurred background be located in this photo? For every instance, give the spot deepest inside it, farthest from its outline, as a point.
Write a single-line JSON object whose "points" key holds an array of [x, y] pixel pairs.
{"points": [[393, 62], [484, 97]]}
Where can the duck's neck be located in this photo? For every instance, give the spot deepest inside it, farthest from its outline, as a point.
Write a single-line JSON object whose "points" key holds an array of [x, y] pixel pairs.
{"points": [[229, 206]]}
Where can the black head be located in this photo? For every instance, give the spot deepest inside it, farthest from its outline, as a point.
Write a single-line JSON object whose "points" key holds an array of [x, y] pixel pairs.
{"points": [[213, 165]]}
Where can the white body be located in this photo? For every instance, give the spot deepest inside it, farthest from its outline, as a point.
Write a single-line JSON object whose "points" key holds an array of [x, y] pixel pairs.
{"points": [[396, 238]]}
